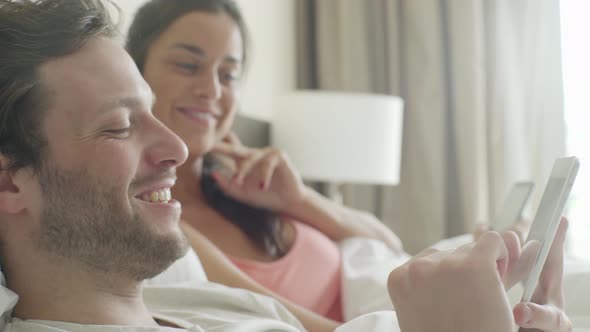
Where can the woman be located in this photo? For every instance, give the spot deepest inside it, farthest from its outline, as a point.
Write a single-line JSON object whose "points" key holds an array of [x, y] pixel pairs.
{"points": [[192, 53], [252, 208]]}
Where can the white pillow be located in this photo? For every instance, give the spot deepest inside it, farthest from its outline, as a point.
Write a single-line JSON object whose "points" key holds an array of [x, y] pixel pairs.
{"points": [[186, 269], [8, 300]]}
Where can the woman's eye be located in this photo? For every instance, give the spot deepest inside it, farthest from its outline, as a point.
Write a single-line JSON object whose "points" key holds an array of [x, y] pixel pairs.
{"points": [[229, 77], [187, 67]]}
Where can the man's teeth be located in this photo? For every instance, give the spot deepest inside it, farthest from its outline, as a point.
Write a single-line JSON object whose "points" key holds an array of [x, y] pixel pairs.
{"points": [[162, 195]]}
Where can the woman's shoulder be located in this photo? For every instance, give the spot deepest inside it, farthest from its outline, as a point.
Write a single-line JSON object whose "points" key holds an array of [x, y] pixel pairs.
{"points": [[307, 238]]}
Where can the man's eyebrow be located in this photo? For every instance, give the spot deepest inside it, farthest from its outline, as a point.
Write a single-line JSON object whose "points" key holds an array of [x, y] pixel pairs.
{"points": [[131, 102], [196, 50]]}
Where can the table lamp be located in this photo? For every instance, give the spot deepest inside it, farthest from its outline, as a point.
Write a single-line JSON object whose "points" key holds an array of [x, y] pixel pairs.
{"points": [[340, 137]]}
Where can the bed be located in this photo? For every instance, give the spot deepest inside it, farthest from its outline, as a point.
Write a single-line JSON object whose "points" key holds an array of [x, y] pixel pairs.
{"points": [[367, 264]]}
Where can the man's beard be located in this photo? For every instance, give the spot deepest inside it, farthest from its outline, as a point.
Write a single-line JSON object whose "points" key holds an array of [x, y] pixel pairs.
{"points": [[86, 221]]}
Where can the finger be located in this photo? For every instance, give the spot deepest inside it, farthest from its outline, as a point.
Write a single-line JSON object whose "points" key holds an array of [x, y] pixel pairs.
{"points": [[480, 228], [524, 264], [432, 255], [224, 183], [246, 166], [512, 243], [550, 288], [268, 169], [235, 151], [233, 139], [541, 317], [426, 252], [555, 256], [465, 249], [491, 245], [521, 227]]}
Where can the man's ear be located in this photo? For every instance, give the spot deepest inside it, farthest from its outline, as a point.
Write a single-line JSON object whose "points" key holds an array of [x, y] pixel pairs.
{"points": [[11, 201]]}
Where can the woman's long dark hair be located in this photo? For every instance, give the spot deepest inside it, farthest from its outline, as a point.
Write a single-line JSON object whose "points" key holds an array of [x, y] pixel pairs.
{"points": [[262, 226], [152, 19]]}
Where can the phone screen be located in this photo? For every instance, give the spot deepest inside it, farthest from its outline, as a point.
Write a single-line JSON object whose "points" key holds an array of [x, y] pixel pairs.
{"points": [[549, 203], [547, 218], [514, 203]]}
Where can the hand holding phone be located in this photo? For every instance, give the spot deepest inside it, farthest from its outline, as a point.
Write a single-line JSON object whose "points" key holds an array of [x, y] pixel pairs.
{"points": [[547, 218]]}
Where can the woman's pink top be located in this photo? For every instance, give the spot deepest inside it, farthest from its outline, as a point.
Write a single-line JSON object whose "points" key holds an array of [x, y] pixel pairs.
{"points": [[308, 275]]}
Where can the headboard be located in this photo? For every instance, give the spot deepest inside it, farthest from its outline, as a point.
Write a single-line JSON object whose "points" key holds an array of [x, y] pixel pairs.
{"points": [[252, 132]]}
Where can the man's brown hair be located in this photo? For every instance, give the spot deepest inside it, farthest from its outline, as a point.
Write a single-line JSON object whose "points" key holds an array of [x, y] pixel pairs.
{"points": [[32, 33]]}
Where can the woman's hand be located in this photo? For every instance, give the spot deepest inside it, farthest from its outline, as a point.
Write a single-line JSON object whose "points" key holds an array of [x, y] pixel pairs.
{"points": [[266, 178], [263, 177]]}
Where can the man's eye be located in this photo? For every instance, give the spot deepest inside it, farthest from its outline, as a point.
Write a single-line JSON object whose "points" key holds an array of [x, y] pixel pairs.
{"points": [[119, 132]]}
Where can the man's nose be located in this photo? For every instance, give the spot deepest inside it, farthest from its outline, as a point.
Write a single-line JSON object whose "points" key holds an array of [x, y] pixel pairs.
{"points": [[167, 149]]}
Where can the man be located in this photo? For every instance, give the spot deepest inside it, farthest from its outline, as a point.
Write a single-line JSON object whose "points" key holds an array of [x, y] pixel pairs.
{"points": [[85, 208]]}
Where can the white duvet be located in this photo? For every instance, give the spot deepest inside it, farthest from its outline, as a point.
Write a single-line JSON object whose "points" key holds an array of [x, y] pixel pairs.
{"points": [[367, 263]]}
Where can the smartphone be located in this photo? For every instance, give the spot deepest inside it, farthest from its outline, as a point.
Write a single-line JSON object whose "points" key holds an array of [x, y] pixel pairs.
{"points": [[513, 206], [548, 216]]}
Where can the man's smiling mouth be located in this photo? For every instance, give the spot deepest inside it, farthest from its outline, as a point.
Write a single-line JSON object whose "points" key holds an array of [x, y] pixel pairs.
{"points": [[157, 196]]}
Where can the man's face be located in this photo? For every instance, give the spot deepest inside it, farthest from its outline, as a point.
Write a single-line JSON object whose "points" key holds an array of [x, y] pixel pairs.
{"points": [[104, 187]]}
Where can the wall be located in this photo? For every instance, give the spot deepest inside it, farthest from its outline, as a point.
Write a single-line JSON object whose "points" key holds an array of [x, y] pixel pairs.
{"points": [[272, 66], [272, 70], [129, 7]]}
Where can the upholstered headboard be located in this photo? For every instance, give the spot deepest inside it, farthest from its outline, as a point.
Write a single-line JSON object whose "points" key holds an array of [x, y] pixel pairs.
{"points": [[252, 132]]}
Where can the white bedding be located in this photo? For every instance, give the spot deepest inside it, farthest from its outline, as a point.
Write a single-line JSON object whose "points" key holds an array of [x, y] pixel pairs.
{"points": [[367, 264]]}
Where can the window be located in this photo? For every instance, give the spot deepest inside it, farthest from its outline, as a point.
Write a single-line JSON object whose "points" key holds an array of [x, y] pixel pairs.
{"points": [[575, 26]]}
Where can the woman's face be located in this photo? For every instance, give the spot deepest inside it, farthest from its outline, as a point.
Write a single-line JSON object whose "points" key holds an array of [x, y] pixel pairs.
{"points": [[193, 69]]}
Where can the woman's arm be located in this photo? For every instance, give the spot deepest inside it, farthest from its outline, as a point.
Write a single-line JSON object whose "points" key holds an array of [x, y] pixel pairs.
{"points": [[339, 222], [220, 269]]}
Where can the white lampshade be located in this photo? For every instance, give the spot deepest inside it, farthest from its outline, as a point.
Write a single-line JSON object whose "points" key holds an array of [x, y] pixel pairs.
{"points": [[340, 137]]}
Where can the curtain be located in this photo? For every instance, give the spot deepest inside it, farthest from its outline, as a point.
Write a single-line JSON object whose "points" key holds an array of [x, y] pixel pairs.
{"points": [[482, 86]]}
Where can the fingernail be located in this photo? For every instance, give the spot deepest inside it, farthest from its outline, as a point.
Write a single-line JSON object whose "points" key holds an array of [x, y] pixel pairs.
{"points": [[527, 315], [217, 176]]}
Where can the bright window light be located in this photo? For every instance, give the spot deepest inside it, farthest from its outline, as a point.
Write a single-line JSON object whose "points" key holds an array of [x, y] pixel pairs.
{"points": [[575, 28]]}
